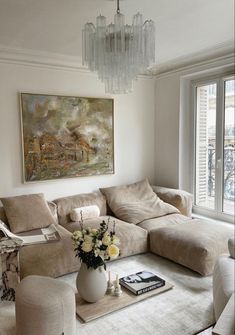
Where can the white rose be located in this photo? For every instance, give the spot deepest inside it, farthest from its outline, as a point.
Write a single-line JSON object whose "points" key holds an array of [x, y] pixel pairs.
{"points": [[113, 251], [88, 238], [106, 240], [77, 235], [86, 246], [94, 231]]}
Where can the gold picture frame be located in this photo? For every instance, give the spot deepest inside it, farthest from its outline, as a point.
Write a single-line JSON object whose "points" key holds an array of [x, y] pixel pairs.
{"points": [[66, 136]]}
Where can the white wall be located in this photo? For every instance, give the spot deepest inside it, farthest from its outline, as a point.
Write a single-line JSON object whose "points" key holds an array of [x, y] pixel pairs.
{"points": [[174, 122], [134, 120], [167, 131]]}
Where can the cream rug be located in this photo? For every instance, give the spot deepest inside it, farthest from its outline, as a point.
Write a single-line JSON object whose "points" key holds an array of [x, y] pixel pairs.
{"points": [[185, 310]]}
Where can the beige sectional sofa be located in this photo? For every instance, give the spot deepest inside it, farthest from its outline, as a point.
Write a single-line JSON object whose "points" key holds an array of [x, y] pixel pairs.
{"points": [[58, 258]]}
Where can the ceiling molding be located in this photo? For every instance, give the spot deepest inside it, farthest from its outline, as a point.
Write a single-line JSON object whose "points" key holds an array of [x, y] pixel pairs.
{"points": [[206, 56], [44, 59], [40, 58]]}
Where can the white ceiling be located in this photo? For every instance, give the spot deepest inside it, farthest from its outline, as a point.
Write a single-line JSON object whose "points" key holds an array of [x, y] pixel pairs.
{"points": [[183, 27]]}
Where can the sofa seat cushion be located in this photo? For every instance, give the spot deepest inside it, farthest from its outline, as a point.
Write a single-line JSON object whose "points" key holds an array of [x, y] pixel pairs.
{"points": [[133, 239], [49, 259], [195, 244], [223, 283], [163, 221], [136, 202], [27, 212]]}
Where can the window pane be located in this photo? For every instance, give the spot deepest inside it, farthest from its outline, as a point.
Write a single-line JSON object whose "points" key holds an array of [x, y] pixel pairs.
{"points": [[229, 153], [205, 146]]}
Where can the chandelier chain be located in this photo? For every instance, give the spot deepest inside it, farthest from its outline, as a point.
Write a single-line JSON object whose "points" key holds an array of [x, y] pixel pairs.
{"points": [[118, 7]]}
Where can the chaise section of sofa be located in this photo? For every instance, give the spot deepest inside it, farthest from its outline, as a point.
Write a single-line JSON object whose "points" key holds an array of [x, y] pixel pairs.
{"points": [[196, 244]]}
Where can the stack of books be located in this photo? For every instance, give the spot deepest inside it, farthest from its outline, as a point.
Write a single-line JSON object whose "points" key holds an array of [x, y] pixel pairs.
{"points": [[142, 282]]}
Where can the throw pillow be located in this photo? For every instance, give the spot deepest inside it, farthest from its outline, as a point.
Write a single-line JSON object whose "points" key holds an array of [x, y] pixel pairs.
{"points": [[136, 202], [84, 213], [27, 212]]}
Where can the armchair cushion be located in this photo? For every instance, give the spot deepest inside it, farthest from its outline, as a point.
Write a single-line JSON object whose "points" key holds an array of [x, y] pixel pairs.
{"points": [[225, 323], [231, 247], [177, 198], [223, 283]]}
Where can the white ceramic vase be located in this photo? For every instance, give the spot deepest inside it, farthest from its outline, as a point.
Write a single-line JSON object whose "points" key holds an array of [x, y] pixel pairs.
{"points": [[91, 283]]}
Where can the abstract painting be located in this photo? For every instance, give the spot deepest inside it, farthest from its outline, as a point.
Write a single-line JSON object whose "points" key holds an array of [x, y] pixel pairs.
{"points": [[66, 136]]}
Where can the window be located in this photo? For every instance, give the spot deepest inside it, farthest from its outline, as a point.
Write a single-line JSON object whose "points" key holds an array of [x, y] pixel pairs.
{"points": [[214, 175]]}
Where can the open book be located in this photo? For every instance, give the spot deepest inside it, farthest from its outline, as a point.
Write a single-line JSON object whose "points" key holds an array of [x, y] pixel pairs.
{"points": [[43, 235]]}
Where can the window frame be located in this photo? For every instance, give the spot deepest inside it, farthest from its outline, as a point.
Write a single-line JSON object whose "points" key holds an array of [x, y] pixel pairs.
{"points": [[219, 80]]}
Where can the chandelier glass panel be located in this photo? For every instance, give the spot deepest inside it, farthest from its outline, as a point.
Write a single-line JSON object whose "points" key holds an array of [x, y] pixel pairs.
{"points": [[118, 52]]}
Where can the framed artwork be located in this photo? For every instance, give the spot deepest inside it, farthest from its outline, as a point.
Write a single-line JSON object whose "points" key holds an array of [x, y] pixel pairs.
{"points": [[65, 136]]}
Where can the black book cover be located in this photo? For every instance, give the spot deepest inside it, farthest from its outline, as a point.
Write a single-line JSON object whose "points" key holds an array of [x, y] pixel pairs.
{"points": [[142, 282]]}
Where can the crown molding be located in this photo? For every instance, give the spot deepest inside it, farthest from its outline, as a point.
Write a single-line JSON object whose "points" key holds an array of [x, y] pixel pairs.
{"points": [[223, 51], [45, 59], [40, 58], [36, 58]]}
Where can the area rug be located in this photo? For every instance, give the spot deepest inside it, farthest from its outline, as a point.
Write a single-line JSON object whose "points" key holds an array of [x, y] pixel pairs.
{"points": [[185, 310]]}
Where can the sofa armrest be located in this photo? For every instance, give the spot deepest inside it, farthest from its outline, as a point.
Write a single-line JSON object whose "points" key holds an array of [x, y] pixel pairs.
{"points": [[225, 323], [177, 198]]}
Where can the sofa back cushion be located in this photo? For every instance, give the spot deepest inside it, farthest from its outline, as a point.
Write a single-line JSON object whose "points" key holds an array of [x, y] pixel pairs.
{"points": [[52, 206], [28, 212], [67, 204], [136, 202], [177, 198]]}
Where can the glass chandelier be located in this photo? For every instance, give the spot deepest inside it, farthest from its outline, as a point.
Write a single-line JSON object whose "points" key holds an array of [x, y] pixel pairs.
{"points": [[119, 52]]}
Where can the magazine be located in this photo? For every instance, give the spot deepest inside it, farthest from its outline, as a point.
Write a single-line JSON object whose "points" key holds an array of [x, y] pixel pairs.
{"points": [[142, 282], [43, 235]]}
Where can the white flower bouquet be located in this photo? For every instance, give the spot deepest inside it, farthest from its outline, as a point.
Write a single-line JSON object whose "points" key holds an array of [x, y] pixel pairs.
{"points": [[95, 246]]}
